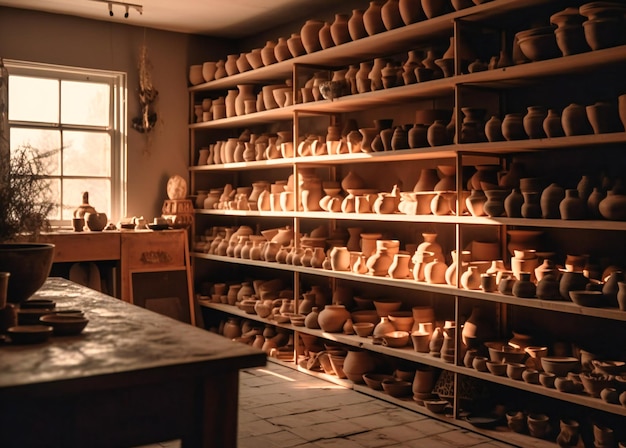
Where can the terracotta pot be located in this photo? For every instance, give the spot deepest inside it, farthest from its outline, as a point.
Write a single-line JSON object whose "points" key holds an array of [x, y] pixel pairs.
{"points": [[399, 267], [533, 121], [358, 363], [356, 28], [390, 13], [339, 29], [574, 120], [434, 8], [524, 287], [372, 19], [418, 136], [551, 197], [494, 205], [471, 278], [246, 92], [531, 207], [475, 203], [572, 206], [340, 258], [613, 207], [411, 11], [571, 281], [309, 34], [437, 134], [513, 127], [603, 117], [493, 129], [513, 204], [332, 318]]}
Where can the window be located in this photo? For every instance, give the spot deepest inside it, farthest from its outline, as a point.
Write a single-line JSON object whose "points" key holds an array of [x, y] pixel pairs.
{"points": [[76, 118]]}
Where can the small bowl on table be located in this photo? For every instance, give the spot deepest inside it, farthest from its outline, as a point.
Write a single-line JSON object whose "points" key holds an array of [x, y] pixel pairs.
{"points": [[29, 334], [64, 324]]}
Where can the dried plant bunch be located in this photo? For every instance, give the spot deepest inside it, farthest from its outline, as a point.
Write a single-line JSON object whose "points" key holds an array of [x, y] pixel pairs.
{"points": [[25, 194]]}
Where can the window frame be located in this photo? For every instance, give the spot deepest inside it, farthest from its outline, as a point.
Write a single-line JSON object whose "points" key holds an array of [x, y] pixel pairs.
{"points": [[117, 81]]}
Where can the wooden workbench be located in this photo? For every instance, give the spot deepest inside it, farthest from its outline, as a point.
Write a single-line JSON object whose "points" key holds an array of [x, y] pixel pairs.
{"points": [[132, 377]]}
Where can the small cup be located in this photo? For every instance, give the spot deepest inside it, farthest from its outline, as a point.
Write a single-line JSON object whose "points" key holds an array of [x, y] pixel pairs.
{"points": [[78, 224], [547, 379], [480, 363], [488, 282]]}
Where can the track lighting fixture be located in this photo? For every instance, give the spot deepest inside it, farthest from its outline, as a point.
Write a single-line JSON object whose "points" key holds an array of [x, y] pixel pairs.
{"points": [[127, 7]]}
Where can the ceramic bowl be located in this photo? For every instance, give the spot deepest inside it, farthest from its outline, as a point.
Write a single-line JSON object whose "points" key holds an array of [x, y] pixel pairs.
{"points": [[514, 370], [609, 367], [595, 382], [333, 89], [365, 316], [297, 320], [587, 298], [384, 307], [29, 334], [560, 365], [547, 379], [539, 44], [398, 388], [497, 368], [531, 376], [396, 339], [375, 380], [402, 320], [436, 406], [65, 324], [38, 304], [604, 32], [363, 329], [501, 352]]}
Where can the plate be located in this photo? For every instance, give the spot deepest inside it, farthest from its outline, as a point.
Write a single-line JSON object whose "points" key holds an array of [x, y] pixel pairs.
{"points": [[482, 421], [65, 324], [29, 334], [158, 226]]}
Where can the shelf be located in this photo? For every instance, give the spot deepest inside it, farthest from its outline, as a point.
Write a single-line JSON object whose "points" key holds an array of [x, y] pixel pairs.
{"points": [[548, 305], [435, 219], [389, 42], [580, 399], [409, 354]]}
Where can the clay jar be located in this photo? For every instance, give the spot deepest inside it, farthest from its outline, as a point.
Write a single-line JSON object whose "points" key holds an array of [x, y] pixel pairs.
{"points": [[372, 19], [513, 127], [357, 363], [339, 258], [613, 206], [309, 34], [552, 124], [524, 287], [551, 198], [494, 206], [574, 120], [411, 11], [571, 281], [356, 28], [434, 8], [339, 29], [332, 318], [572, 206], [390, 14], [533, 121]]}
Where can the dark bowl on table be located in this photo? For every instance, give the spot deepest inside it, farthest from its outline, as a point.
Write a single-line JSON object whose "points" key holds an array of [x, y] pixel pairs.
{"points": [[29, 265]]}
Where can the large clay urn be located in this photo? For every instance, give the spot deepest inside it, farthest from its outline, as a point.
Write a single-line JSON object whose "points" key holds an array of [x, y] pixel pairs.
{"points": [[332, 318], [357, 363]]}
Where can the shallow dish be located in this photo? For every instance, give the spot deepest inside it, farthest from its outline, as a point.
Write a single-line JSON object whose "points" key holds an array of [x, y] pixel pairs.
{"points": [[29, 334], [375, 380], [38, 304], [31, 316], [64, 325], [482, 421], [396, 339], [398, 388], [158, 226], [496, 368], [592, 299], [363, 329], [500, 352]]}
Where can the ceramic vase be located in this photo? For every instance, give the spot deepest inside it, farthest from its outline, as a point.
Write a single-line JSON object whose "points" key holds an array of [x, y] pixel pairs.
{"points": [[434, 8], [513, 204], [356, 28], [572, 206], [390, 13], [613, 206], [493, 129], [531, 208], [574, 120], [533, 121], [494, 205], [524, 287], [411, 11], [340, 258], [550, 200], [399, 267], [571, 281], [552, 124], [513, 127], [309, 34], [339, 29], [372, 19], [325, 37], [332, 318]]}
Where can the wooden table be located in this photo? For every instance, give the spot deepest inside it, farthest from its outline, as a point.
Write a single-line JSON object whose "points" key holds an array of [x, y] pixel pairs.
{"points": [[132, 377]]}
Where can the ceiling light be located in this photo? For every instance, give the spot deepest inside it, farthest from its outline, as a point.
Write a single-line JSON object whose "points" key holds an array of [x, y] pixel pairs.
{"points": [[127, 6]]}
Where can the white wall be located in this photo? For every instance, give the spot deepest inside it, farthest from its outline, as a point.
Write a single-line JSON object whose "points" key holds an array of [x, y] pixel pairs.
{"points": [[64, 40]]}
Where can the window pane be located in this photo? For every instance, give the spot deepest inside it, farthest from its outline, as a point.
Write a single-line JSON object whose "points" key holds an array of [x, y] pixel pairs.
{"points": [[45, 142], [86, 154], [55, 195], [33, 99], [99, 195], [84, 103]]}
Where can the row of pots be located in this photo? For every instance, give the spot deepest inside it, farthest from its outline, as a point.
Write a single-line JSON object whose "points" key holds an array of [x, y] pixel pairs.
{"points": [[316, 35]]}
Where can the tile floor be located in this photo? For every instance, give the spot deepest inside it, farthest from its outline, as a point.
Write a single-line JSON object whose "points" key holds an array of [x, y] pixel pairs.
{"points": [[282, 408]]}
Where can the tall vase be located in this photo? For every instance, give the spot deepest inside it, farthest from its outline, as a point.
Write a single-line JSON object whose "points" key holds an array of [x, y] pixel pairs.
{"points": [[372, 19], [309, 33], [339, 29], [390, 13], [246, 92], [552, 124], [411, 11], [356, 28]]}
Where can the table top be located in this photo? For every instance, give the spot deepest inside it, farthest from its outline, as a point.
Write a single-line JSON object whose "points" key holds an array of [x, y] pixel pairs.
{"points": [[122, 342]]}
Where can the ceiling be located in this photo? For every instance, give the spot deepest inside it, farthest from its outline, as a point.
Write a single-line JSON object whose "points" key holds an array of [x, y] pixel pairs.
{"points": [[220, 18]]}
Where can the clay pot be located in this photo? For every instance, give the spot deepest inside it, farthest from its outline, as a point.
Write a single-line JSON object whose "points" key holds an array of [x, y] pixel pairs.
{"points": [[613, 206], [372, 19], [339, 29], [513, 127], [411, 11], [418, 136], [552, 124], [603, 117], [493, 129], [358, 363], [399, 267], [574, 120], [551, 198], [531, 207], [513, 204], [390, 14], [621, 295], [572, 206], [339, 258], [471, 278], [524, 287], [437, 134], [434, 8], [309, 34], [571, 281], [494, 205], [356, 28], [332, 318], [195, 74], [475, 203], [533, 121]]}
